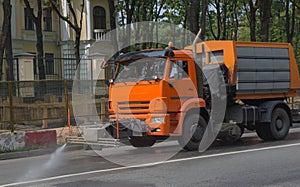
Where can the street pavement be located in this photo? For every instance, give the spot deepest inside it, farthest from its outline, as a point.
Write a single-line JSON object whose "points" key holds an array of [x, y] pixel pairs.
{"points": [[249, 162]]}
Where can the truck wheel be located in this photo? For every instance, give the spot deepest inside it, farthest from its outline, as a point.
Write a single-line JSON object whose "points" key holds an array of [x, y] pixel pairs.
{"points": [[264, 131], [279, 127], [141, 141], [242, 130], [280, 124], [193, 130]]}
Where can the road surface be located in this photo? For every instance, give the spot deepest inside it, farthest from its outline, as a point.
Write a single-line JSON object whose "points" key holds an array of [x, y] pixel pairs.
{"points": [[249, 162]]}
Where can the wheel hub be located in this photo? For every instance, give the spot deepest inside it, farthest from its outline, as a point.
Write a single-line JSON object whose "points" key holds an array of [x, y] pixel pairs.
{"points": [[279, 123], [197, 132]]}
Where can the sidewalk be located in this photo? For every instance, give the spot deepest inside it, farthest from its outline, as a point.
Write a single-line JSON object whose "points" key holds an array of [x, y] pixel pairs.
{"points": [[61, 134], [37, 152]]}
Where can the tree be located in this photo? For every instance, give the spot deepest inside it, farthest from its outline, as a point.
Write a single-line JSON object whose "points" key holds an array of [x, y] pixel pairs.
{"points": [[5, 40], [73, 22], [290, 25], [37, 19], [192, 10], [220, 15], [265, 15], [203, 19], [129, 9], [113, 26], [218, 19], [252, 16]]}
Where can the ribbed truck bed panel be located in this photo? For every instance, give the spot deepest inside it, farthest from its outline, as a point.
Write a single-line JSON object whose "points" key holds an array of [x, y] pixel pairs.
{"points": [[262, 70]]}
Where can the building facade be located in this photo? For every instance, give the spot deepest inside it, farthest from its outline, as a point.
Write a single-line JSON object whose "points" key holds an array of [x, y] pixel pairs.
{"points": [[57, 34]]}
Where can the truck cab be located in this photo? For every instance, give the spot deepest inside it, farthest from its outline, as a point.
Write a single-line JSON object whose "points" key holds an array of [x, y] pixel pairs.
{"points": [[151, 93]]}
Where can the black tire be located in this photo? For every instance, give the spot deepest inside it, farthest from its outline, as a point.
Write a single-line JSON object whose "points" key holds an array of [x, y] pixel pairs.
{"points": [[264, 131], [242, 130], [279, 127], [280, 124], [193, 130], [142, 141]]}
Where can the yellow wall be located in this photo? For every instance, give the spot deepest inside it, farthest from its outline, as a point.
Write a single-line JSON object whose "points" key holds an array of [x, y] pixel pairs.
{"points": [[25, 40]]}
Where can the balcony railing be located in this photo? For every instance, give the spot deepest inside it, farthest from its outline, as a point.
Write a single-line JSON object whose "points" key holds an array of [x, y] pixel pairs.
{"points": [[101, 35]]}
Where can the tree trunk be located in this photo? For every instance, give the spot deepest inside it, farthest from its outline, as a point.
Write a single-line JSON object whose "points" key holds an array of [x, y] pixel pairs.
{"points": [[40, 42], [145, 31], [287, 21], [293, 21], [252, 18], [5, 30], [8, 53], [77, 47], [187, 13], [203, 19], [290, 26], [236, 28], [129, 8], [194, 16], [224, 27], [39, 37], [112, 17], [265, 20], [218, 7]]}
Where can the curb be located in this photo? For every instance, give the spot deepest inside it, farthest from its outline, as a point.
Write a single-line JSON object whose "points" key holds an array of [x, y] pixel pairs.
{"points": [[37, 152]]}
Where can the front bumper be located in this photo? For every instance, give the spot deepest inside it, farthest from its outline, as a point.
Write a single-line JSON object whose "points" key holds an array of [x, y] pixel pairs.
{"points": [[140, 125]]}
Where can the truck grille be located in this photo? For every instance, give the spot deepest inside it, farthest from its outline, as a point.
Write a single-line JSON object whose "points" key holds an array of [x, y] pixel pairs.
{"points": [[133, 106]]}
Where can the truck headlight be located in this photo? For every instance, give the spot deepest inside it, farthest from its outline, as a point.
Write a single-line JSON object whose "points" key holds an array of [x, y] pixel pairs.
{"points": [[158, 105], [158, 120]]}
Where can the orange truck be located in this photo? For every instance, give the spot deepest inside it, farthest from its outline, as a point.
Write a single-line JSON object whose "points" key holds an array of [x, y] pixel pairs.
{"points": [[163, 96]]}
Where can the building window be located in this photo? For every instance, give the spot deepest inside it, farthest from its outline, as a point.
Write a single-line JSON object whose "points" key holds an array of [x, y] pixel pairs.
{"points": [[49, 62], [69, 67], [47, 19], [99, 17], [29, 23]]}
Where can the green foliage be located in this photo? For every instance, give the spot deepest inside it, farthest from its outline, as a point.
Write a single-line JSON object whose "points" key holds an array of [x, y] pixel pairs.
{"points": [[225, 19]]}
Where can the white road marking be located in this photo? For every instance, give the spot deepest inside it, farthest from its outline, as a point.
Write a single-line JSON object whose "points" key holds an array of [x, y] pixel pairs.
{"points": [[152, 164]]}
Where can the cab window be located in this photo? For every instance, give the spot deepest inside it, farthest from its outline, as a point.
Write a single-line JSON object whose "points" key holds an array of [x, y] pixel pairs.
{"points": [[179, 69]]}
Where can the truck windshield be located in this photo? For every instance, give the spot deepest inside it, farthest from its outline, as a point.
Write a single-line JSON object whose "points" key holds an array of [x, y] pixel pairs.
{"points": [[141, 69]]}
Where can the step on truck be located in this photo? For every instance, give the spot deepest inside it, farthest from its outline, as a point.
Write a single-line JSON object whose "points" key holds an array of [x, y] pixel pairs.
{"points": [[154, 96]]}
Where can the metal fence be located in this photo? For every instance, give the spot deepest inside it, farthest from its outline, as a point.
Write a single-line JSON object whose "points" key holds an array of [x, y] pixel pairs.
{"points": [[45, 103]]}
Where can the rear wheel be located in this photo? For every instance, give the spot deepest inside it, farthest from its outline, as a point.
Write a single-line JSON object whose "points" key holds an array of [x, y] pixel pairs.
{"points": [[279, 127], [264, 131], [193, 130], [141, 141]]}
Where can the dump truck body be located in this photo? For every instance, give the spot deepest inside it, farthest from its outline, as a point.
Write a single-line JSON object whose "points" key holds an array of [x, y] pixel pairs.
{"points": [[258, 69], [259, 77], [154, 96]]}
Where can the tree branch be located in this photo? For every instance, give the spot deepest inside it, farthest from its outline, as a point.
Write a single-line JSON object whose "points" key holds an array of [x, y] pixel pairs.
{"points": [[81, 15], [30, 10], [73, 13], [54, 6], [159, 10], [257, 4], [294, 2]]}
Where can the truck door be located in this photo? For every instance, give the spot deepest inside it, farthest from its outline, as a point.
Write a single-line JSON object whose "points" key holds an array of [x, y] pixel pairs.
{"points": [[180, 86]]}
